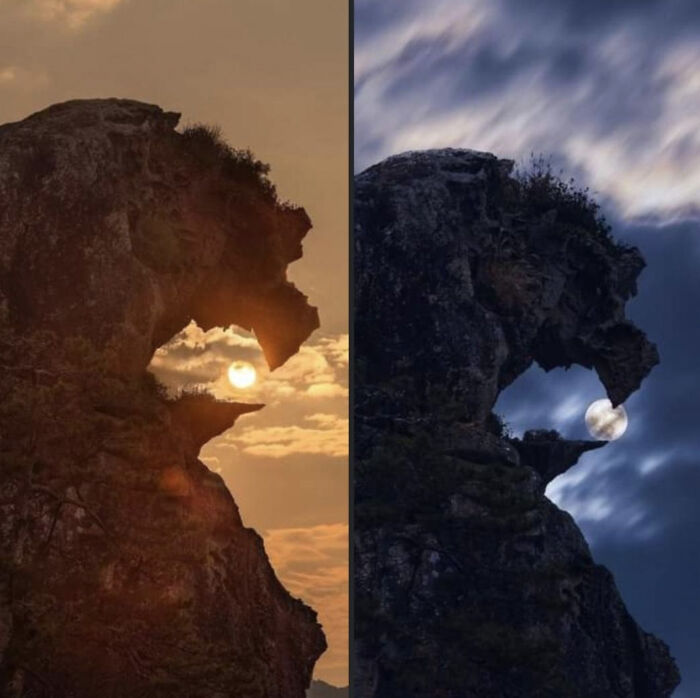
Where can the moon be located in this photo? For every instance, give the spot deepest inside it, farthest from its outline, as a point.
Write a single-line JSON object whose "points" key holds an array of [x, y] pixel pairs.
{"points": [[606, 422], [241, 374]]}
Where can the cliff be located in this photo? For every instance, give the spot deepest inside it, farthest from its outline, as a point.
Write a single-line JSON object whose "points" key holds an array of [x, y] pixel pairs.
{"points": [[469, 582], [125, 568], [321, 689]]}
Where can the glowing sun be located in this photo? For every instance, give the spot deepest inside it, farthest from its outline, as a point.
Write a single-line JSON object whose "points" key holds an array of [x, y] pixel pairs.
{"points": [[606, 422], [241, 374]]}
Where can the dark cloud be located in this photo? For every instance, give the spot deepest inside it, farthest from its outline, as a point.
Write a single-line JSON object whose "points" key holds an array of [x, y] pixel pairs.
{"points": [[593, 15]]}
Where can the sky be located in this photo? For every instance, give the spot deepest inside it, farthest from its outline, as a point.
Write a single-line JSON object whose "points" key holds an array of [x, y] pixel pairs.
{"points": [[273, 75], [610, 92]]}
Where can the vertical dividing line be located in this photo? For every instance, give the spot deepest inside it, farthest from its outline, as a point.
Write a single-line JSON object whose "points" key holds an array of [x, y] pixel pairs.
{"points": [[351, 333]]}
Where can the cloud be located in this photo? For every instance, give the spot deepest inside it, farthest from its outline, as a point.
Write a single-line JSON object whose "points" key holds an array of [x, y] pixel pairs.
{"points": [[326, 390], [72, 13], [312, 365], [337, 348], [212, 462], [18, 78], [305, 400], [611, 92], [327, 434], [194, 358], [313, 564]]}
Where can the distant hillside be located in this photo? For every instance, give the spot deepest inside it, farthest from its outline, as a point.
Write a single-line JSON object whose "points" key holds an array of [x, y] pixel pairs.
{"points": [[321, 689]]}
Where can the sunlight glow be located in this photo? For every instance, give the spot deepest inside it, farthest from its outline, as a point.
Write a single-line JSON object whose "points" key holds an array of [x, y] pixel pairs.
{"points": [[241, 374]]}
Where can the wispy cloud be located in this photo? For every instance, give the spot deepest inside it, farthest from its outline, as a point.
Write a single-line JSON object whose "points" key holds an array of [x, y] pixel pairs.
{"points": [[74, 14], [8, 74], [611, 93], [22, 79]]}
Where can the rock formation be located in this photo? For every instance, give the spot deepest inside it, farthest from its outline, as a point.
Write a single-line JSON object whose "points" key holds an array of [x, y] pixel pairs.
{"points": [[321, 689], [469, 583], [548, 454], [125, 568]]}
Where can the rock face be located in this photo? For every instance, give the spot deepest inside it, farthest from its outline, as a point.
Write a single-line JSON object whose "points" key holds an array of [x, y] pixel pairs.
{"points": [[469, 583], [321, 689], [125, 568], [548, 454]]}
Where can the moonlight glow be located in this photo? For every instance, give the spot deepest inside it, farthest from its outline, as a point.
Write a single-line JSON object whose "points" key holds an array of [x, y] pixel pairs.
{"points": [[606, 422], [241, 374]]}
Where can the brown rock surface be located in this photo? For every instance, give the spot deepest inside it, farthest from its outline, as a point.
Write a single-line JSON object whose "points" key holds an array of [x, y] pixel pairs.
{"points": [[125, 569]]}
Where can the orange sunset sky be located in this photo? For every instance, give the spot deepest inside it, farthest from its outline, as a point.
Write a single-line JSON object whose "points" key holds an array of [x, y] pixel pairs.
{"points": [[273, 75]]}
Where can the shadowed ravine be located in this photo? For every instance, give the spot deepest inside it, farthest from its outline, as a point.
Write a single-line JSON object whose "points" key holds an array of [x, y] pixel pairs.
{"points": [[126, 570]]}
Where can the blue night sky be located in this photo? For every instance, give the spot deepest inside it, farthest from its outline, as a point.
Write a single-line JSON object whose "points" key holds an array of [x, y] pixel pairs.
{"points": [[610, 90]]}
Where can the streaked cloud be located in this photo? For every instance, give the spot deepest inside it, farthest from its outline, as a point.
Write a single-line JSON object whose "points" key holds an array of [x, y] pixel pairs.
{"points": [[610, 92], [590, 493]]}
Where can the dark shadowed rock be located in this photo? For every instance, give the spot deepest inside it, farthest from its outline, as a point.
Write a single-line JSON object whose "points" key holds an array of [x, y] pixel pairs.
{"points": [[546, 452], [203, 417], [321, 689], [469, 583], [125, 569]]}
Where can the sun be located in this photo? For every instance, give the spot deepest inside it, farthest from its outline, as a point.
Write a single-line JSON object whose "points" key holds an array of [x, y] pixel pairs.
{"points": [[241, 374]]}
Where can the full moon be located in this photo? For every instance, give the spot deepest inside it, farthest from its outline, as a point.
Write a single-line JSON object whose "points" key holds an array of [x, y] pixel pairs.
{"points": [[606, 422], [241, 374]]}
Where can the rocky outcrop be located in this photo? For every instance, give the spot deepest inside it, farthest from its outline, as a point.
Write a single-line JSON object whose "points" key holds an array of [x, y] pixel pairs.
{"points": [[321, 689], [469, 583], [125, 568], [548, 454]]}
